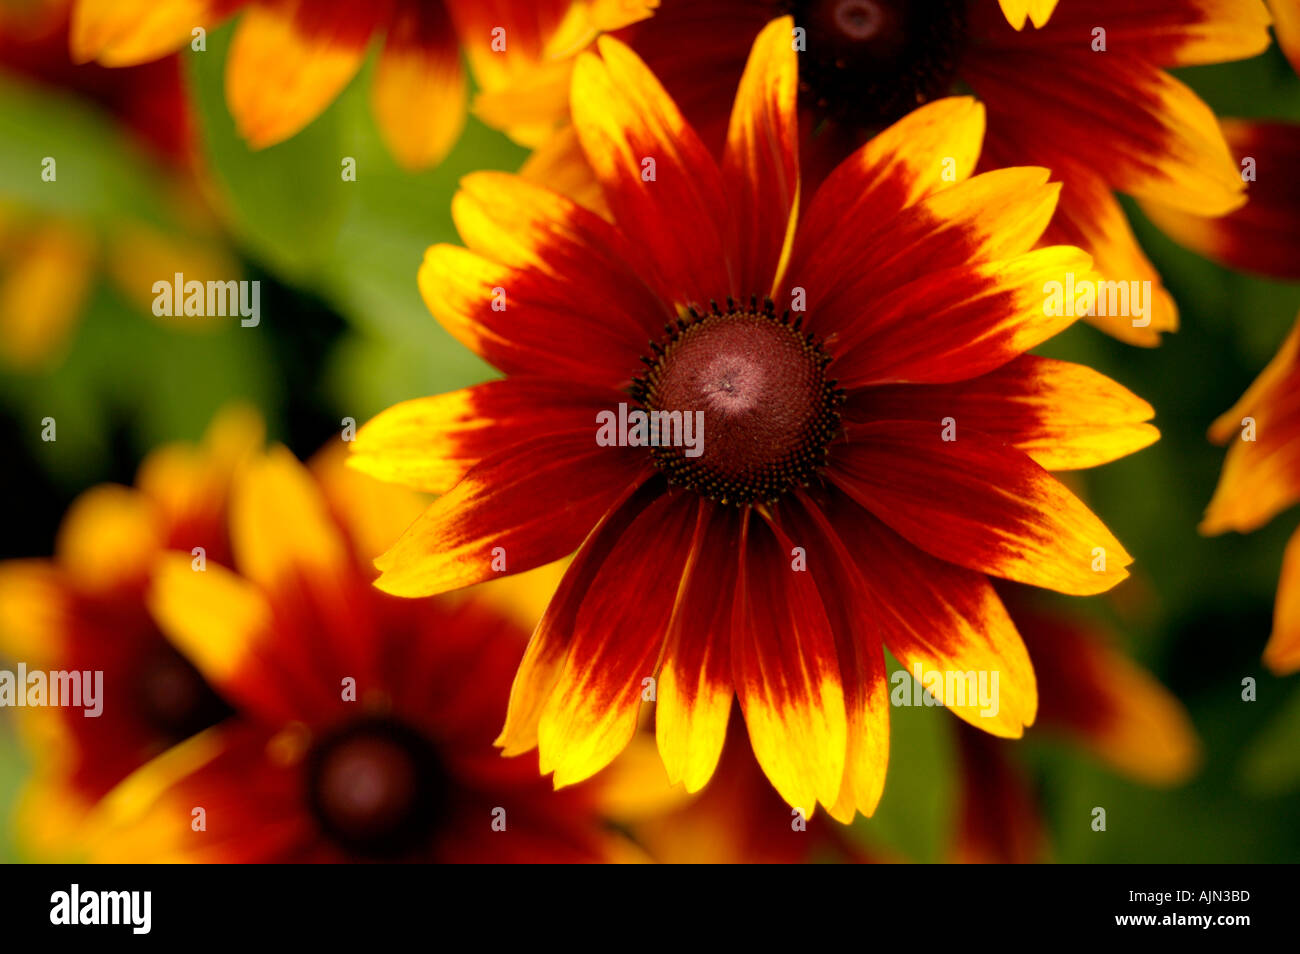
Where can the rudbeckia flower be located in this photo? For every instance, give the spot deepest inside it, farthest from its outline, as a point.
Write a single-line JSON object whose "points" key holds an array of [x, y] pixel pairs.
{"points": [[875, 441], [1261, 478], [1078, 87], [84, 610], [364, 724], [290, 58]]}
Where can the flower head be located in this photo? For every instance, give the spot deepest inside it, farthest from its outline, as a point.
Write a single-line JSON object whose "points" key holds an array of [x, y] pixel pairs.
{"points": [[875, 441]]}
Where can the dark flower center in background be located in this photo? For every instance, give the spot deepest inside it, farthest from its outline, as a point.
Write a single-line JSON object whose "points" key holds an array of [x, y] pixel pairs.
{"points": [[868, 63], [376, 787], [759, 386], [172, 696]]}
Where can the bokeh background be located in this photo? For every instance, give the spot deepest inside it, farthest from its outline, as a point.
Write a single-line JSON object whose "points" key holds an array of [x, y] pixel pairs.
{"points": [[344, 334]]}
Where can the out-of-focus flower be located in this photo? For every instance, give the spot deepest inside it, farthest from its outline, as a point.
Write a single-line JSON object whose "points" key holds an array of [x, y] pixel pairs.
{"points": [[291, 58], [49, 262], [822, 510], [1263, 236], [363, 724], [84, 610], [1085, 94], [1092, 695], [1261, 478]]}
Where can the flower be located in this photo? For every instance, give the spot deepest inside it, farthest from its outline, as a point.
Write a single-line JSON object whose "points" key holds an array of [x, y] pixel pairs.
{"points": [[84, 610], [289, 59], [1261, 478], [827, 514], [363, 724], [1085, 94]]}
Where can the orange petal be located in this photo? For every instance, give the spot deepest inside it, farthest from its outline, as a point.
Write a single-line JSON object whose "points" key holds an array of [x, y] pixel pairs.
{"points": [[616, 643], [549, 646], [1018, 11], [1282, 654], [845, 594], [943, 619], [430, 443], [528, 505], [994, 216], [279, 78], [1261, 475], [695, 692], [786, 672], [1149, 134], [957, 323], [761, 161], [419, 89], [42, 293], [977, 503], [927, 150], [1064, 416], [129, 32], [659, 180], [110, 537]]}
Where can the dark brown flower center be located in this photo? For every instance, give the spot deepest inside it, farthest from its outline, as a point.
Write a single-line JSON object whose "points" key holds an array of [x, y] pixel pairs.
{"points": [[867, 63], [759, 404], [172, 697], [376, 787]]}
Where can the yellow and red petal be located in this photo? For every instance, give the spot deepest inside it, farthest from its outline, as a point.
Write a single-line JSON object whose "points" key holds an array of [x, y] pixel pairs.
{"points": [[549, 646], [846, 597], [1263, 236], [786, 671], [288, 62], [419, 89], [1018, 12], [973, 224], [430, 443], [34, 606], [661, 183], [694, 696], [1282, 654], [562, 247], [979, 504], [760, 163], [42, 293], [958, 323], [930, 148], [1064, 416], [616, 643], [1163, 32], [129, 32], [109, 537], [1261, 472], [1090, 217], [524, 321], [1146, 132], [941, 618], [1286, 26], [527, 505]]}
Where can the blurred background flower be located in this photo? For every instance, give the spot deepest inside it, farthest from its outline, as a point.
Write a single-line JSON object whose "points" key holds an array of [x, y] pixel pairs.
{"points": [[345, 334]]}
